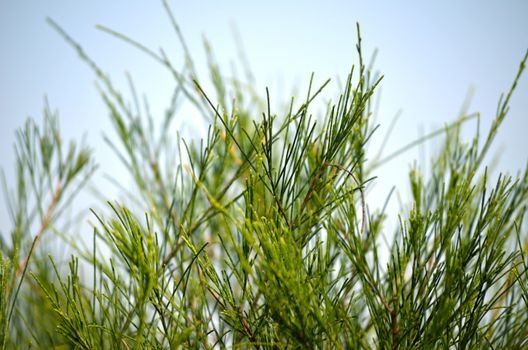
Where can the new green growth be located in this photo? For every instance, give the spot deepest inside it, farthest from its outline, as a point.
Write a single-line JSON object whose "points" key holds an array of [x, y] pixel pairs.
{"points": [[261, 235]]}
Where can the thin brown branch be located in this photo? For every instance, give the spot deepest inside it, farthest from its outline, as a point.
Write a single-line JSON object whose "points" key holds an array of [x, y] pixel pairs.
{"points": [[340, 167], [46, 221]]}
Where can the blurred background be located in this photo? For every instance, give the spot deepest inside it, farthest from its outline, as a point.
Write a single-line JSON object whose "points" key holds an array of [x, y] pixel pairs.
{"points": [[431, 56]]}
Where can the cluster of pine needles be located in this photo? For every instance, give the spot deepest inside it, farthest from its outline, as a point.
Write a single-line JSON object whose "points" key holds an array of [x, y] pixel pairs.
{"points": [[261, 234]]}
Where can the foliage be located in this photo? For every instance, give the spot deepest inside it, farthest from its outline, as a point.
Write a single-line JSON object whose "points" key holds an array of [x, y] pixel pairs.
{"points": [[259, 235]]}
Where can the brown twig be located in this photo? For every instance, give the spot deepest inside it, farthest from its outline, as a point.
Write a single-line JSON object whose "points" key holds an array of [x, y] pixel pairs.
{"points": [[46, 220], [340, 167], [247, 328], [360, 188]]}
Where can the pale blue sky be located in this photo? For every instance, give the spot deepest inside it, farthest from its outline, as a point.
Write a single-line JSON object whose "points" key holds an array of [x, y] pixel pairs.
{"points": [[430, 54]]}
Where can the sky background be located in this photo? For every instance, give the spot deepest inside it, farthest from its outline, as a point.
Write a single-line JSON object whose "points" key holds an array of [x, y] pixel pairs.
{"points": [[431, 55]]}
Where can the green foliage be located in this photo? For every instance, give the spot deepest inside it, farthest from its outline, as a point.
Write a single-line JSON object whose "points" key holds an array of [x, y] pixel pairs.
{"points": [[260, 235], [48, 176]]}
